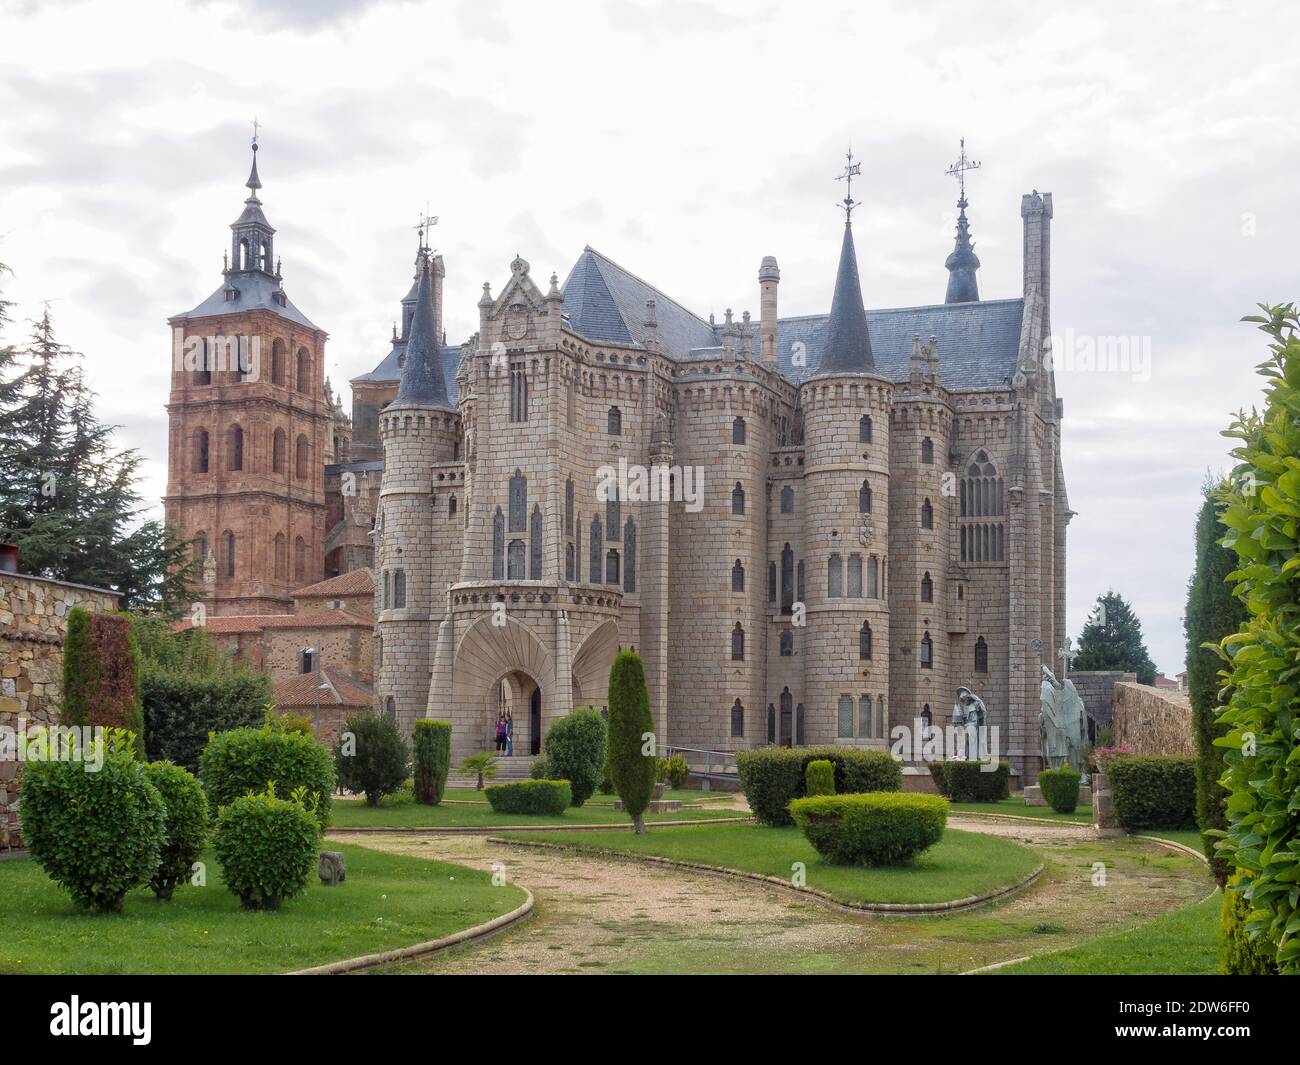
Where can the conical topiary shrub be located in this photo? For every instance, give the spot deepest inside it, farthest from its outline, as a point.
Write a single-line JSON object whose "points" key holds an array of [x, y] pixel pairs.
{"points": [[632, 751]]}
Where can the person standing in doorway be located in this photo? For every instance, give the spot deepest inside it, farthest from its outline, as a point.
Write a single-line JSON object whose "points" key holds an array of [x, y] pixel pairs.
{"points": [[510, 734]]}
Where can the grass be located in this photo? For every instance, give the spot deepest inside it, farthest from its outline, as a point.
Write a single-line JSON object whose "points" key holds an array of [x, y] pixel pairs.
{"points": [[1188, 837], [691, 795], [354, 813], [960, 865], [387, 901], [1184, 942], [1016, 807]]}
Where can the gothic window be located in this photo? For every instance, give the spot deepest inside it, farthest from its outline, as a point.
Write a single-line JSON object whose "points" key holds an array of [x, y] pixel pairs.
{"points": [[737, 718], [982, 497], [200, 451], [303, 378], [229, 538], [845, 723], [927, 652], [611, 566], [737, 577], [981, 655], [498, 545], [787, 579], [614, 422], [738, 643], [518, 392], [787, 718], [203, 375], [281, 557], [235, 448], [880, 717], [388, 584], [771, 582], [864, 498], [927, 718], [927, 451], [787, 643], [390, 710], [596, 540], [738, 431], [738, 499], [927, 588], [535, 546], [518, 502], [864, 429], [873, 578], [613, 515], [799, 593], [300, 559], [629, 556], [787, 500], [577, 549], [302, 459], [200, 546], [451, 507], [568, 562], [771, 723], [399, 589], [515, 561], [864, 642], [277, 362], [568, 507], [280, 452], [927, 515], [800, 736], [864, 717], [834, 576], [855, 576]]}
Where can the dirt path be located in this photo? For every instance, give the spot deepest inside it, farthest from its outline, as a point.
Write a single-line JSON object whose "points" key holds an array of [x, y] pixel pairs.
{"points": [[612, 916]]}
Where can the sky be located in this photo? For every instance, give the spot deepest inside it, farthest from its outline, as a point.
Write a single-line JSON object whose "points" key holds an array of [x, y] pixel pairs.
{"points": [[685, 140]]}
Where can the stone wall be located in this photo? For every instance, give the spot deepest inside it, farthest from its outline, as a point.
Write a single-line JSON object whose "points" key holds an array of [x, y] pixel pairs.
{"points": [[33, 620], [1097, 690], [1152, 720]]}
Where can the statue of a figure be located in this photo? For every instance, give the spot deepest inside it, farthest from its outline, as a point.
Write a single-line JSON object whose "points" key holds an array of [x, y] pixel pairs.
{"points": [[209, 570], [970, 715], [1062, 724]]}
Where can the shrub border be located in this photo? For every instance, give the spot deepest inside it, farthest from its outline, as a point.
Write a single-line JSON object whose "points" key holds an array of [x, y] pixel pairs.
{"points": [[823, 897], [478, 830], [432, 946]]}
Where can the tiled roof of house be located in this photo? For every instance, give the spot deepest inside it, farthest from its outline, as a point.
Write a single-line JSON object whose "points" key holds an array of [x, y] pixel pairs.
{"points": [[305, 619], [341, 690], [354, 582]]}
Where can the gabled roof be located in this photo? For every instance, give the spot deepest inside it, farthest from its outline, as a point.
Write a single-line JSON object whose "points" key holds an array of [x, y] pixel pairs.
{"points": [[606, 303], [255, 294], [354, 582], [301, 690]]}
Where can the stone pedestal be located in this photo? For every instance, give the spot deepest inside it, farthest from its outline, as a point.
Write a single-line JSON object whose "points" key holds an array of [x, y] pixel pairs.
{"points": [[1103, 814], [1034, 795]]}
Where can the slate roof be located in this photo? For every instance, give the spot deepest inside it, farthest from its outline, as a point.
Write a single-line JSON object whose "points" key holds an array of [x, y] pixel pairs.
{"points": [[423, 381], [255, 293], [388, 369], [847, 347]]}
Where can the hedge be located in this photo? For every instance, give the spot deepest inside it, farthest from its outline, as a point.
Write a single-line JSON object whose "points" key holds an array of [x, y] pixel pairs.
{"points": [[1060, 788], [772, 776], [101, 674], [551, 797], [871, 829], [969, 781], [1239, 954], [819, 778], [1155, 791], [247, 760], [575, 751], [431, 748], [266, 847], [181, 709]]}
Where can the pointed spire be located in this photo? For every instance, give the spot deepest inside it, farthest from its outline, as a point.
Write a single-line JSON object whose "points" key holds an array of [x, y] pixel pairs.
{"points": [[963, 262], [423, 384], [848, 345], [254, 182]]}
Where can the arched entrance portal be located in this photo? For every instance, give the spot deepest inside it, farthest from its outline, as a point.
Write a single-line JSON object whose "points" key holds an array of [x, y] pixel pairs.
{"points": [[518, 698]]}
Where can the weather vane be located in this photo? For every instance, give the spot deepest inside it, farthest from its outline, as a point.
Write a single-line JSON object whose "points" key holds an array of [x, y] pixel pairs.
{"points": [[851, 170], [958, 170], [427, 222], [256, 127]]}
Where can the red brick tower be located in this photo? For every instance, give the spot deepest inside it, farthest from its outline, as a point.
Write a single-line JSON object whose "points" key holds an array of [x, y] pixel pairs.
{"points": [[248, 416]]}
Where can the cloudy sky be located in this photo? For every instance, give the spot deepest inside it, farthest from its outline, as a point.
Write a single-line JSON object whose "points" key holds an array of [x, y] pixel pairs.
{"points": [[686, 140]]}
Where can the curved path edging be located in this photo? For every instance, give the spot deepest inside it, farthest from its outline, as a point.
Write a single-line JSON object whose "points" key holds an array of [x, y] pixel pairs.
{"points": [[473, 830], [432, 946], [823, 897]]}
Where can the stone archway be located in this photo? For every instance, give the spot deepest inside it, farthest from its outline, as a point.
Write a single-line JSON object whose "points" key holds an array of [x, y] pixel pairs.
{"points": [[591, 666], [502, 668]]}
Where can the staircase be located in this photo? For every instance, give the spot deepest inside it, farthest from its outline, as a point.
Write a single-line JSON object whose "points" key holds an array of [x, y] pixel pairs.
{"points": [[508, 769]]}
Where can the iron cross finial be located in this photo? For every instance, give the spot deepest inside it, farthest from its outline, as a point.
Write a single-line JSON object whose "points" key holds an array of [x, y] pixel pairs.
{"points": [[256, 129], [851, 170], [958, 170], [427, 222]]}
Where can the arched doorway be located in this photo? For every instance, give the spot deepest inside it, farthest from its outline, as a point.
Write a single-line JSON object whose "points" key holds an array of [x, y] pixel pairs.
{"points": [[518, 698], [535, 722]]}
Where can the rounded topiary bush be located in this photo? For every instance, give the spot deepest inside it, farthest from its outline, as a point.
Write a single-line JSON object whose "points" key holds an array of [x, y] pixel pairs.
{"points": [[245, 760], [97, 834], [771, 776], [575, 751], [266, 847], [879, 828], [1060, 788], [971, 781], [371, 756], [431, 750], [186, 825], [819, 778], [550, 797]]}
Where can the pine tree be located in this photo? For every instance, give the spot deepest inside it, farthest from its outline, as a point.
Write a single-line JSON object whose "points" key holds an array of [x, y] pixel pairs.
{"points": [[631, 769], [1213, 612], [1112, 639]]}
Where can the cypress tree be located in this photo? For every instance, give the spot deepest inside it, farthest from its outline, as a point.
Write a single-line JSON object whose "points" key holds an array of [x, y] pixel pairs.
{"points": [[1112, 639], [1213, 612], [631, 770]]}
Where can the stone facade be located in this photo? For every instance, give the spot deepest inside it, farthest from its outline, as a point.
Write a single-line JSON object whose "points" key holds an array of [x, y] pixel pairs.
{"points": [[1153, 721], [33, 622], [1097, 690]]}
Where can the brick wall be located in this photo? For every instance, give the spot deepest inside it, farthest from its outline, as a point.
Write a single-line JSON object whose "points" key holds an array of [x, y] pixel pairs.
{"points": [[1152, 720], [33, 621]]}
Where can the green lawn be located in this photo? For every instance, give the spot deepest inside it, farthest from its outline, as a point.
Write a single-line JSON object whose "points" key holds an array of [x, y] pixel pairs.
{"points": [[388, 901], [1184, 942], [354, 813], [689, 795], [960, 865], [1188, 837], [1016, 806]]}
